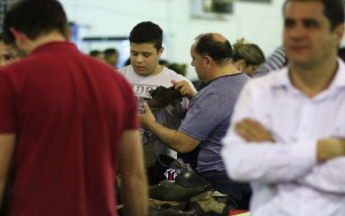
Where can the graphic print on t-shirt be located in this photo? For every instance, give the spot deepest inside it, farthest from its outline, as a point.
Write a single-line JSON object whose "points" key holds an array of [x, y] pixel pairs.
{"points": [[142, 93]]}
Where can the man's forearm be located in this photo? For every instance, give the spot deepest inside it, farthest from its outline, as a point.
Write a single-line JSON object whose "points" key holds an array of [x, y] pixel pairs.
{"points": [[330, 148], [171, 138], [135, 196]]}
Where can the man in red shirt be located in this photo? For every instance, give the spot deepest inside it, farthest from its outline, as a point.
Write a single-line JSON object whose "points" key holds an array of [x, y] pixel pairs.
{"points": [[68, 123]]}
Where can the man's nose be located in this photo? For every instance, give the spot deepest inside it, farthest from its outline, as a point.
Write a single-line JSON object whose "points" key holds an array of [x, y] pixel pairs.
{"points": [[139, 58]]}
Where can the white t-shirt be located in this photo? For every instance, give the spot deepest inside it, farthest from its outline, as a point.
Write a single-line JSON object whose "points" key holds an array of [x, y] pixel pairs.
{"points": [[171, 116]]}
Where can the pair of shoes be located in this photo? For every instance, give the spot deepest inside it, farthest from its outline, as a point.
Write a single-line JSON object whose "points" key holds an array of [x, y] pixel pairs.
{"points": [[162, 97], [175, 170], [206, 204], [170, 191]]}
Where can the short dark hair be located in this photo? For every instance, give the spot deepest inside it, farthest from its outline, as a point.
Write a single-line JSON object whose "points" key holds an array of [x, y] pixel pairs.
{"points": [[34, 17], [219, 51], [147, 32], [333, 10], [110, 51], [94, 53]]}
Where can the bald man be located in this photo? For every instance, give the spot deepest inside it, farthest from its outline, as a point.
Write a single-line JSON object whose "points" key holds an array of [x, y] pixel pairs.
{"points": [[209, 112]]}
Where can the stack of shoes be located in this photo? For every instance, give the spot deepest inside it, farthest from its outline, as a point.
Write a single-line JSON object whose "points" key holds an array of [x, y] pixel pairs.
{"points": [[162, 97], [206, 205], [203, 204], [182, 192]]}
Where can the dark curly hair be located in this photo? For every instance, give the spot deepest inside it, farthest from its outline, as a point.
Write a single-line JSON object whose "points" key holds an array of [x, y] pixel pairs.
{"points": [[147, 32]]}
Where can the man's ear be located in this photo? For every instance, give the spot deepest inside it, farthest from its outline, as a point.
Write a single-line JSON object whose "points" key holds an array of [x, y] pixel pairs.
{"points": [[339, 30], [160, 52], [208, 61], [18, 36], [69, 33]]}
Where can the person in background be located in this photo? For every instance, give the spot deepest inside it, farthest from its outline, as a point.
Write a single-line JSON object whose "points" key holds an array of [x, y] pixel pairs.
{"points": [[97, 55], [111, 56], [274, 62], [287, 136], [178, 68], [68, 123], [247, 57], [7, 53]]}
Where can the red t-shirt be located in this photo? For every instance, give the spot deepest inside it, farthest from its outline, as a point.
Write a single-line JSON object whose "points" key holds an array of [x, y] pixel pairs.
{"points": [[69, 112]]}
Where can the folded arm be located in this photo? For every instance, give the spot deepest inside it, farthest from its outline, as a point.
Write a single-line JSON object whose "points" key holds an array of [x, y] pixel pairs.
{"points": [[253, 153], [328, 175], [267, 162]]}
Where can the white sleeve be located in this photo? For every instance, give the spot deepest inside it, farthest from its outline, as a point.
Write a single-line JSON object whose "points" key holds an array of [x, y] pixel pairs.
{"points": [[263, 162], [328, 176]]}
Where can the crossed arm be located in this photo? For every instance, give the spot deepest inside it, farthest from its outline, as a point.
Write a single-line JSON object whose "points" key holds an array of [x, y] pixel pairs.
{"points": [[252, 153], [275, 164], [252, 131]]}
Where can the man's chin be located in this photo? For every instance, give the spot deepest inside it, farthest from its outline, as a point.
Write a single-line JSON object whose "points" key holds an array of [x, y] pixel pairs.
{"points": [[142, 72], [139, 71], [302, 64]]}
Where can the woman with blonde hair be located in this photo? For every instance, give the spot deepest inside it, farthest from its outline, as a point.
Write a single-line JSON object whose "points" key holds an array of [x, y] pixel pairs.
{"points": [[247, 57]]}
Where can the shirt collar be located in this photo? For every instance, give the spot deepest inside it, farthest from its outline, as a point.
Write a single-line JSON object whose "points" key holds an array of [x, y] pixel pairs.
{"points": [[282, 78], [339, 79]]}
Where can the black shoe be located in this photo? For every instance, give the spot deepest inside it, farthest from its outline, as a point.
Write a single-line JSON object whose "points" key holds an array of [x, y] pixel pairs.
{"points": [[162, 97], [170, 191], [175, 170]]}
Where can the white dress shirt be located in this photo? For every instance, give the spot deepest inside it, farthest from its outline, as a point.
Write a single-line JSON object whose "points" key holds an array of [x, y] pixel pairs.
{"points": [[285, 176]]}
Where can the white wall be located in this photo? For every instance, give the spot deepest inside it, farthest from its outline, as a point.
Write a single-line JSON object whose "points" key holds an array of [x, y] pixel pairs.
{"points": [[259, 23]]}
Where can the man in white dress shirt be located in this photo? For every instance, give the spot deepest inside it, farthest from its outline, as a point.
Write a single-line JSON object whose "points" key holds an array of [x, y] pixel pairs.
{"points": [[288, 131]]}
